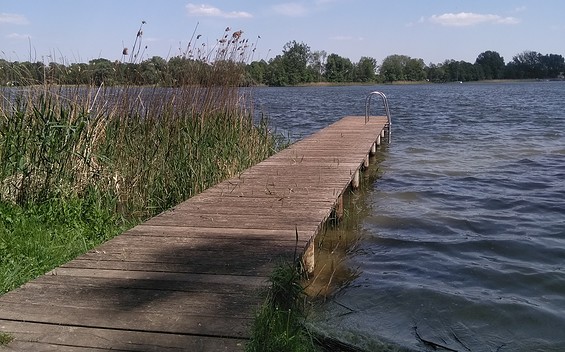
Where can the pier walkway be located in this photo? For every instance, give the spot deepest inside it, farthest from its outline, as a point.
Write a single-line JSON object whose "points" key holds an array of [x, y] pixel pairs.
{"points": [[190, 278]]}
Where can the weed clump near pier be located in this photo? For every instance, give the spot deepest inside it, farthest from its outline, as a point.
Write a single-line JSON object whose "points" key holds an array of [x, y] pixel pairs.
{"points": [[278, 324]]}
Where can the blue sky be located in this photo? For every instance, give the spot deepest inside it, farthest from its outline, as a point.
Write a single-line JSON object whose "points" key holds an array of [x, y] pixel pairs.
{"points": [[433, 30]]}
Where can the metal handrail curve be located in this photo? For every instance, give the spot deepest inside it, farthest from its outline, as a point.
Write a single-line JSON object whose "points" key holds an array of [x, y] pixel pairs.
{"points": [[385, 104]]}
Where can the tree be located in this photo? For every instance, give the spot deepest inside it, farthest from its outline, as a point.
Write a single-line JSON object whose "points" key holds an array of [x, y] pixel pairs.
{"points": [[402, 68], [414, 70], [317, 64], [552, 65], [276, 74], [366, 70], [256, 72], [491, 65], [102, 71], [392, 68], [294, 61], [525, 65], [339, 69]]}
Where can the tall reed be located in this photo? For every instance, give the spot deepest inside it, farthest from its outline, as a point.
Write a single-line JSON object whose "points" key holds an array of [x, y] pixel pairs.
{"points": [[146, 148], [80, 163]]}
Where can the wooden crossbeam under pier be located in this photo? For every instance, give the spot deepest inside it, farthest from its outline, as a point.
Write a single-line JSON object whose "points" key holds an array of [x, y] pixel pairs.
{"points": [[189, 278]]}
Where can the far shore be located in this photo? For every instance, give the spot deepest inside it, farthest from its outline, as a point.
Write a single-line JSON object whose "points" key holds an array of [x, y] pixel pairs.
{"points": [[338, 84]]}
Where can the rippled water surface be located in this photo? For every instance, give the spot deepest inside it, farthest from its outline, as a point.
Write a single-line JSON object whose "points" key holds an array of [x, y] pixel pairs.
{"points": [[464, 246]]}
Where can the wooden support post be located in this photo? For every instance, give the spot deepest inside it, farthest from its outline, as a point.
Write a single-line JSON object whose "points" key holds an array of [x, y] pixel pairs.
{"points": [[355, 180], [378, 140], [374, 147], [366, 162]]}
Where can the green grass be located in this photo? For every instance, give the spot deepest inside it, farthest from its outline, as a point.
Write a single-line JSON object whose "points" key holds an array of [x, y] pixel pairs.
{"points": [[37, 237], [5, 338], [278, 323]]}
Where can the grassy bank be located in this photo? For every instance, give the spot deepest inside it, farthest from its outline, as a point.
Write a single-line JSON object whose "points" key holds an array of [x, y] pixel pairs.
{"points": [[79, 164]]}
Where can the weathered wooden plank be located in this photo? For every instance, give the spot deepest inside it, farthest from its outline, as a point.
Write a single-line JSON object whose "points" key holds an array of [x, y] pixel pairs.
{"points": [[62, 338], [217, 233], [154, 281], [226, 211], [143, 300], [247, 269], [181, 246], [141, 275], [213, 324], [241, 222]]}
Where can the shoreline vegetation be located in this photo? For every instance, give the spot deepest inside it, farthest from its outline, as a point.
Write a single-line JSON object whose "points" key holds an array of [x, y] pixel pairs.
{"points": [[79, 164]]}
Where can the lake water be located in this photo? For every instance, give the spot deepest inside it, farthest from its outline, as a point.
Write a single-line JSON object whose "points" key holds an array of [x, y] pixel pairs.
{"points": [[464, 243]]}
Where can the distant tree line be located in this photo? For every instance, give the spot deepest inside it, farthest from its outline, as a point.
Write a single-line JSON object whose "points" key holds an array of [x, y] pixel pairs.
{"points": [[176, 71], [297, 64]]}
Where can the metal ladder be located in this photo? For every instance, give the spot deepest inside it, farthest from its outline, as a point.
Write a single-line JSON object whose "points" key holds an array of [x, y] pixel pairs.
{"points": [[387, 111]]}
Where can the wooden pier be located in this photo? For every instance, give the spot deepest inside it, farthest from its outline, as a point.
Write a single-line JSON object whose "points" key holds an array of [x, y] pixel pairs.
{"points": [[189, 279]]}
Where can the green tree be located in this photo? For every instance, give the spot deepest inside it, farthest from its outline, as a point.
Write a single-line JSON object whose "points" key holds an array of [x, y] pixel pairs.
{"points": [[392, 68], [276, 73], [295, 60], [459, 71], [526, 64], [366, 70], [339, 69], [317, 64], [552, 65], [256, 72], [402, 68], [490, 65], [103, 71], [414, 70], [436, 73]]}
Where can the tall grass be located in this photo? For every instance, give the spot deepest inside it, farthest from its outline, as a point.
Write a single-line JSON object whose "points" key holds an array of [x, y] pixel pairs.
{"points": [[278, 324], [71, 156], [147, 148]]}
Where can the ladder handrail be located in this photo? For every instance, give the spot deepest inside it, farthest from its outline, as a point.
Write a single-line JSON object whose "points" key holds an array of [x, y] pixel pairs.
{"points": [[385, 104]]}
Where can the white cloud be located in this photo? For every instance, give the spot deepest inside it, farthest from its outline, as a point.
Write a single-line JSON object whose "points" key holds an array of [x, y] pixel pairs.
{"points": [[12, 18], [211, 11], [470, 19], [291, 9], [18, 36]]}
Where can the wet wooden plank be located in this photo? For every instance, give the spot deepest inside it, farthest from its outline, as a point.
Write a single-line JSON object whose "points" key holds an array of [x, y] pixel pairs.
{"points": [[190, 278]]}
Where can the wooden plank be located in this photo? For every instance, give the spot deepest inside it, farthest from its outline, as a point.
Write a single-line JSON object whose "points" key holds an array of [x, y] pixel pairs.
{"points": [[198, 265], [141, 275], [153, 282], [62, 338], [132, 320], [143, 300], [216, 233], [190, 278]]}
